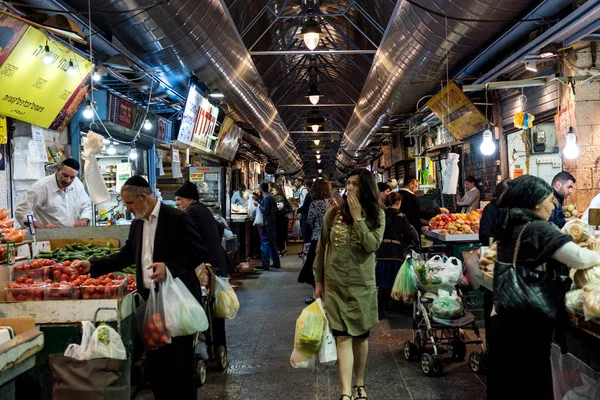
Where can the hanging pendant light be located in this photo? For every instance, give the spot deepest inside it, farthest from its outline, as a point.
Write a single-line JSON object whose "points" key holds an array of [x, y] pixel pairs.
{"points": [[311, 34], [318, 155], [71, 68], [88, 113], [47, 59], [112, 150], [313, 94], [133, 155], [571, 149], [488, 147], [147, 125], [317, 141]]}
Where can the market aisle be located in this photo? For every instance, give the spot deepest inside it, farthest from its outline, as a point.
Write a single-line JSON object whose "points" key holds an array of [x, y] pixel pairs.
{"points": [[260, 341]]}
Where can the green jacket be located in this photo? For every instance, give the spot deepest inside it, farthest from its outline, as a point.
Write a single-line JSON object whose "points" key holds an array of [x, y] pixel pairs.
{"points": [[345, 264]]}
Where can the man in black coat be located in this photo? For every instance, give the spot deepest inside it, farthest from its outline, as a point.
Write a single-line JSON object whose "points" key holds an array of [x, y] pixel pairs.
{"points": [[411, 207], [268, 247], [187, 200], [160, 238]]}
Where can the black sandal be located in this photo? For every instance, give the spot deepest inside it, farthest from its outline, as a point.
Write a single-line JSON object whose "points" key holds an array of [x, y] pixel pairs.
{"points": [[345, 395], [359, 393]]}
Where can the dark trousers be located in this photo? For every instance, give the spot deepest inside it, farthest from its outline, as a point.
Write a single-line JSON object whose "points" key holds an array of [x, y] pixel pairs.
{"points": [[306, 273], [171, 370], [269, 246]]}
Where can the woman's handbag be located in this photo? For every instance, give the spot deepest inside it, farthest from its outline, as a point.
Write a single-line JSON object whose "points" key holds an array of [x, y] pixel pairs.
{"points": [[526, 291]]}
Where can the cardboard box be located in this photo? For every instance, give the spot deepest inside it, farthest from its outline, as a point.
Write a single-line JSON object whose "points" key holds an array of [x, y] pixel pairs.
{"points": [[19, 325]]}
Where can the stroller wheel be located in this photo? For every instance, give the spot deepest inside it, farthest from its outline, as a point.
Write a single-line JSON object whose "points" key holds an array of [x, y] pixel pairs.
{"points": [[200, 372], [411, 351], [477, 362], [430, 365], [457, 350], [222, 360]]}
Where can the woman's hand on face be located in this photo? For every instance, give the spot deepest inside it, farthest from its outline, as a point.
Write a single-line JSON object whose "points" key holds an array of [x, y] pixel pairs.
{"points": [[318, 290], [355, 207]]}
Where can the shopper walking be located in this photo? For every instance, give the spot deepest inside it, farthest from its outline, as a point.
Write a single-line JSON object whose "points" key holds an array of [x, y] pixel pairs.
{"points": [[161, 238], [398, 236], [411, 206], [470, 201], [322, 201], [302, 215], [283, 210], [562, 187], [268, 246], [524, 211], [344, 270], [384, 191], [489, 218]]}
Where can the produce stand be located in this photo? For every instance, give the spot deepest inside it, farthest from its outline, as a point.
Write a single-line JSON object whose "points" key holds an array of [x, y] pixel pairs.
{"points": [[454, 244], [18, 355]]}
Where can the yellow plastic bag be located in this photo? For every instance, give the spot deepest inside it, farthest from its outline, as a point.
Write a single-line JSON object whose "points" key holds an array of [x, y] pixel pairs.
{"points": [[226, 301], [310, 327]]}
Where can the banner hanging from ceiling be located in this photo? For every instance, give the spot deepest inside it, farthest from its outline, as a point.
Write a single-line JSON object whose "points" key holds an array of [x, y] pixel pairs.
{"points": [[199, 122], [229, 139], [33, 91], [458, 114]]}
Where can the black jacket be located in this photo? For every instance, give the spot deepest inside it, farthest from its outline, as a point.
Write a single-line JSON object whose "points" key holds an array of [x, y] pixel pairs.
{"points": [[411, 208], [487, 225], [268, 208], [176, 243], [208, 229], [397, 228], [558, 216]]}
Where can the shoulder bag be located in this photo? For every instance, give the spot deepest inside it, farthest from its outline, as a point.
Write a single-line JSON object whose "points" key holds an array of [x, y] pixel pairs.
{"points": [[526, 291]]}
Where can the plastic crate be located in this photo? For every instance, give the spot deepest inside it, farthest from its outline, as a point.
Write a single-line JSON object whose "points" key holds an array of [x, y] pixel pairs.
{"points": [[62, 292], [59, 273], [25, 293], [105, 292], [38, 275]]}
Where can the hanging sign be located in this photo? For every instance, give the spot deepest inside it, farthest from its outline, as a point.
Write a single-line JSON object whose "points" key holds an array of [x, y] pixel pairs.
{"points": [[229, 139], [517, 172], [458, 114], [37, 145], [175, 154], [196, 177], [198, 122], [125, 113], [33, 91]]}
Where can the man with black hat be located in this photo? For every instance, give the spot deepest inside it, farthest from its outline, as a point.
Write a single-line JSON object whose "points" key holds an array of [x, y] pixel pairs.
{"points": [[161, 238], [58, 200], [187, 200], [268, 246]]}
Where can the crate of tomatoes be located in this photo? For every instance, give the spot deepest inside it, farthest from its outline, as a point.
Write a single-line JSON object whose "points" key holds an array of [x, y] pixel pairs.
{"points": [[104, 287], [34, 272], [25, 292]]}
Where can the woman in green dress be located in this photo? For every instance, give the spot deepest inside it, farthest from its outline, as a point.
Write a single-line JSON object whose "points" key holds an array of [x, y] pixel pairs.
{"points": [[345, 275]]}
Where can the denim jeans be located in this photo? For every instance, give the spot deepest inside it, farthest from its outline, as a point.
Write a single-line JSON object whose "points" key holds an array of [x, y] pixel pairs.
{"points": [[268, 246]]}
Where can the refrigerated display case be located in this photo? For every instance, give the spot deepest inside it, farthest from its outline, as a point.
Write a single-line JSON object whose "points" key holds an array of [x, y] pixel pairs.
{"points": [[212, 185]]}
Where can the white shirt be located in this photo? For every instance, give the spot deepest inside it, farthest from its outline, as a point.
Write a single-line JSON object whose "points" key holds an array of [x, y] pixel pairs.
{"points": [[594, 204], [302, 195], [148, 236], [50, 205]]}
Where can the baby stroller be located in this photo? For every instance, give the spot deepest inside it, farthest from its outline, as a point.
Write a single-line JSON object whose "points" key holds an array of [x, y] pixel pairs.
{"points": [[441, 322], [211, 345]]}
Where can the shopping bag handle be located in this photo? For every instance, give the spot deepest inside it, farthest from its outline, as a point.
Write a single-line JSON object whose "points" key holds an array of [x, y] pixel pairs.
{"points": [[109, 309]]}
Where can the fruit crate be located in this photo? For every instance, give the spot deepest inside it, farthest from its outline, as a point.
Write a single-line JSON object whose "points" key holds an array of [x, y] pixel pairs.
{"points": [[116, 291], [59, 273], [56, 291], [22, 275], [18, 292]]}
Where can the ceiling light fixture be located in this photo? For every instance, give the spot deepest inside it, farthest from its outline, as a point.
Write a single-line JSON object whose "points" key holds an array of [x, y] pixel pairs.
{"points": [[88, 112], [318, 151], [530, 66], [216, 94], [318, 161], [133, 155], [311, 34], [105, 141], [47, 59], [112, 150], [320, 170], [318, 156], [315, 127], [96, 76], [571, 149], [71, 68], [313, 94], [317, 141], [488, 147], [147, 125]]}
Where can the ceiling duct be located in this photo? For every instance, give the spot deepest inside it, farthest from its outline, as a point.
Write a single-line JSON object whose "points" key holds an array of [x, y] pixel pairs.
{"points": [[414, 49], [181, 38]]}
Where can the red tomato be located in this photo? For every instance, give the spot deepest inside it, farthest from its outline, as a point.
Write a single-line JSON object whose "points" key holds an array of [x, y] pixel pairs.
{"points": [[20, 279], [29, 281], [66, 263]]}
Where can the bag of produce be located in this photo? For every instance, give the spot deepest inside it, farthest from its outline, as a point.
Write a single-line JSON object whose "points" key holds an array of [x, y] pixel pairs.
{"points": [[447, 307], [579, 230], [404, 284], [155, 332], [310, 327], [584, 276], [438, 271], [105, 343], [226, 301], [574, 300], [77, 351], [183, 314]]}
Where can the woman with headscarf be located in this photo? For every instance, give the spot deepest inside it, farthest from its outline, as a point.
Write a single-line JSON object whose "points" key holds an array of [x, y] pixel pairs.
{"points": [[321, 201], [282, 221], [344, 270], [397, 237], [487, 225], [524, 212]]}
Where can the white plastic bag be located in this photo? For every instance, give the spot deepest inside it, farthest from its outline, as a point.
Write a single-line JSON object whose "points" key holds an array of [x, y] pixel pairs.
{"points": [[258, 220], [296, 229], [226, 301], [589, 390], [183, 314], [451, 174], [95, 182], [105, 343], [328, 349], [299, 360], [77, 351]]}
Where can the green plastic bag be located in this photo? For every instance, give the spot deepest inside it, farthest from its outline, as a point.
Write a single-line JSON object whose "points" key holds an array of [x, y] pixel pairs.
{"points": [[447, 308], [404, 284], [310, 327]]}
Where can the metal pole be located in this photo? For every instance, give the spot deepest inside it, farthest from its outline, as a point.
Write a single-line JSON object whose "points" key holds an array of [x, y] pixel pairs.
{"points": [[301, 52]]}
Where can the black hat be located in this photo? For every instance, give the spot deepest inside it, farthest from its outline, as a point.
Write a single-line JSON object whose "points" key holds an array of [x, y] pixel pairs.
{"points": [[138, 181], [71, 163], [242, 186], [189, 191], [264, 187]]}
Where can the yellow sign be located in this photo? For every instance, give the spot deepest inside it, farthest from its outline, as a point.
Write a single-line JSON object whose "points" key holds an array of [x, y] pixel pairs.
{"points": [[196, 176], [518, 172], [3, 130], [458, 114], [36, 92]]}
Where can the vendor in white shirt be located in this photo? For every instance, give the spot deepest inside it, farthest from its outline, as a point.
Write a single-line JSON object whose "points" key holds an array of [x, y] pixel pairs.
{"points": [[58, 200], [470, 201]]}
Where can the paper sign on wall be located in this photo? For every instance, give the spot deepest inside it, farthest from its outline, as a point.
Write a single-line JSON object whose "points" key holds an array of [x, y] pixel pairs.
{"points": [[518, 172], [175, 156], [37, 146]]}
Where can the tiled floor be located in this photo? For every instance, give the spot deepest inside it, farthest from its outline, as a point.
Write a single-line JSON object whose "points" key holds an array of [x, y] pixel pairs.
{"points": [[260, 341]]}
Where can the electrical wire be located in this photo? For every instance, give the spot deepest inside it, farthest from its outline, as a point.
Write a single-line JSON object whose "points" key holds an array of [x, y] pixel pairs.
{"points": [[495, 21], [142, 9]]}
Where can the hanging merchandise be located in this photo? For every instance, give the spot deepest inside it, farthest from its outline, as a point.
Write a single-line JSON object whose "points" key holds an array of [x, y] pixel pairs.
{"points": [[523, 120], [451, 174], [159, 163], [93, 175]]}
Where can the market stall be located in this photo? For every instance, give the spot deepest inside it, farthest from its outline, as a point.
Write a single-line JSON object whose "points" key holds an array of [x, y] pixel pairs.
{"points": [[454, 233]]}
